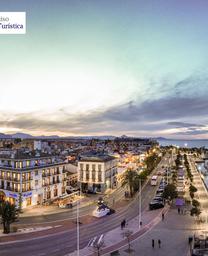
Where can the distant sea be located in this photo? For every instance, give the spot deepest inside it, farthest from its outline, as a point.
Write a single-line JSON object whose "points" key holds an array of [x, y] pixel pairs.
{"points": [[184, 143]]}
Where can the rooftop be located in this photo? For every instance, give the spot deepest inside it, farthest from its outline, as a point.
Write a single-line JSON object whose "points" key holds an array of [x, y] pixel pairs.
{"points": [[96, 158], [25, 155]]}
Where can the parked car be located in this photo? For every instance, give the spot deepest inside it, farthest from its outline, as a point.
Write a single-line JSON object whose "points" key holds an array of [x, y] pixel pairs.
{"points": [[70, 189], [158, 198], [160, 190], [155, 205]]}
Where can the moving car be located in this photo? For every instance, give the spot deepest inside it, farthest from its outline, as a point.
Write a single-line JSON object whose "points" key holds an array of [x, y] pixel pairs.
{"points": [[101, 210]]}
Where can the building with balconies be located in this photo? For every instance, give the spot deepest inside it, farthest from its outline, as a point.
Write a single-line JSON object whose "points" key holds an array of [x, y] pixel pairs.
{"points": [[97, 172], [32, 179]]}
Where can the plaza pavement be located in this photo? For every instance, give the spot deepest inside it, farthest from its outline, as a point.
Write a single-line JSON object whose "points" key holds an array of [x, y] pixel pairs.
{"points": [[173, 233]]}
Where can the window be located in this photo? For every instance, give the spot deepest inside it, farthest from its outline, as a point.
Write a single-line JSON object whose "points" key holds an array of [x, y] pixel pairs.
{"points": [[28, 201], [24, 176], [81, 175], [36, 173], [93, 175], [55, 193], [87, 175], [99, 167], [48, 194], [36, 182], [93, 167], [99, 176], [81, 167], [87, 167]]}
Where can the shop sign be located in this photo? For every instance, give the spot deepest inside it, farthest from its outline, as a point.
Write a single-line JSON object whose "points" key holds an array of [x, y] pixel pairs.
{"points": [[12, 195], [27, 194]]}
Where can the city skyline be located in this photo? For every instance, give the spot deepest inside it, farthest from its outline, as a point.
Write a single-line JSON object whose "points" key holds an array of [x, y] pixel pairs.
{"points": [[93, 68]]}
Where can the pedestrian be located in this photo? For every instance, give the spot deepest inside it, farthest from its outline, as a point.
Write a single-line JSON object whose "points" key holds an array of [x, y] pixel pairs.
{"points": [[159, 243], [178, 210], [153, 243], [124, 223], [163, 216]]}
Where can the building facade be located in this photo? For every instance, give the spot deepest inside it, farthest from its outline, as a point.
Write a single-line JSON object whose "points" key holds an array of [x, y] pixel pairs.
{"points": [[97, 173], [32, 180]]}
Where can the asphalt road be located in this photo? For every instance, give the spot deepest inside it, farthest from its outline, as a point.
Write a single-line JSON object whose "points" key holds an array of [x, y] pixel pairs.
{"points": [[66, 242]]}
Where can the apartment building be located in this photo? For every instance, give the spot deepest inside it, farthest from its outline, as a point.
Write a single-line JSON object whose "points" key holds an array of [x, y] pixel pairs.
{"points": [[97, 172], [31, 179]]}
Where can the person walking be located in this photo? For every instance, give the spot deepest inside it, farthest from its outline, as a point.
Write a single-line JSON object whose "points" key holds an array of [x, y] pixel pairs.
{"points": [[163, 216], [153, 243], [124, 223], [159, 243], [178, 210]]}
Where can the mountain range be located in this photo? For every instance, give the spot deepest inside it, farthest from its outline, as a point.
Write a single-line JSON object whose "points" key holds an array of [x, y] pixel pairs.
{"points": [[29, 136]]}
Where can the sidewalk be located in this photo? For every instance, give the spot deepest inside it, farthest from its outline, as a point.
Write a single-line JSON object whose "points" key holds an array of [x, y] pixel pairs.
{"points": [[115, 239], [201, 195]]}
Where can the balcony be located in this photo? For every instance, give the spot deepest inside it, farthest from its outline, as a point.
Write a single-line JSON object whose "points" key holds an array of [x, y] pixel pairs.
{"points": [[15, 190], [56, 181], [26, 189], [16, 180], [27, 179], [46, 174], [7, 178]]}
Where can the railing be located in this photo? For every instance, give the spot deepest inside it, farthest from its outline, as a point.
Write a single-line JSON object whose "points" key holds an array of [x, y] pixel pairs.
{"points": [[15, 179], [26, 190], [27, 179]]}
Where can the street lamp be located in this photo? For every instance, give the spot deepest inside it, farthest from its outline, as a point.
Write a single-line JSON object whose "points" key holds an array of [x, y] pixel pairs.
{"points": [[140, 203], [78, 241]]}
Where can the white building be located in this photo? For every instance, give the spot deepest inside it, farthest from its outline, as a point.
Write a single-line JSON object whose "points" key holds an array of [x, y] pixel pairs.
{"points": [[32, 179], [37, 145], [97, 172]]}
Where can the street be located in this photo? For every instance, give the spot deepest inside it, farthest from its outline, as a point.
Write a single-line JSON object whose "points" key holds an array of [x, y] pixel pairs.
{"points": [[66, 242]]}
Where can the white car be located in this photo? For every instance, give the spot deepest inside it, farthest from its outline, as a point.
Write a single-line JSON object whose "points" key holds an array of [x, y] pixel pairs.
{"points": [[101, 211]]}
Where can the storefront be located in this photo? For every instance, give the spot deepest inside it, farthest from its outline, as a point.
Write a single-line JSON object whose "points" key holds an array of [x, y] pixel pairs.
{"points": [[27, 199], [2, 196]]}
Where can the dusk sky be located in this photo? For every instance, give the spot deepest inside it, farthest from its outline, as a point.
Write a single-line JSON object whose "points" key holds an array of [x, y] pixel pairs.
{"points": [[106, 68]]}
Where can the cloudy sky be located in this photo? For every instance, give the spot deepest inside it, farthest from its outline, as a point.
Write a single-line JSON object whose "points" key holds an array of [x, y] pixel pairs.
{"points": [[106, 67]]}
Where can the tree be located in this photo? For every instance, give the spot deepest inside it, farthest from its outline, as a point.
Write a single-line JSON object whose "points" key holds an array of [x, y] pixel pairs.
{"points": [[127, 234], [129, 178], [195, 203], [151, 162], [8, 213], [192, 189], [195, 211], [170, 192], [20, 202]]}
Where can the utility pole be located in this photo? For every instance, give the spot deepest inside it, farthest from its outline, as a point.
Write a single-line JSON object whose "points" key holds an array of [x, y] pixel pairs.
{"points": [[78, 219], [77, 228], [140, 203]]}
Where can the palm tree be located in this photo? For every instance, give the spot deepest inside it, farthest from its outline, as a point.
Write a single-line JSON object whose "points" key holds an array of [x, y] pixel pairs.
{"points": [[8, 213], [128, 179]]}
